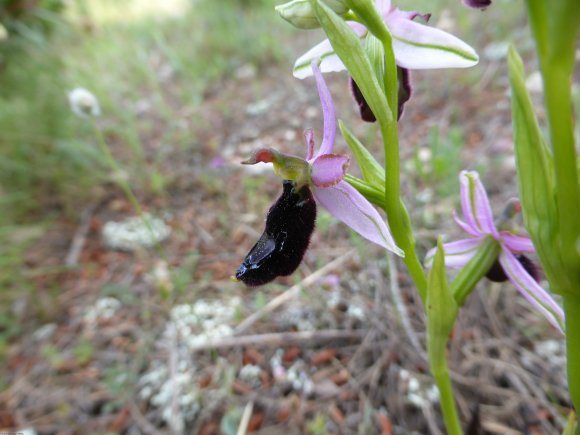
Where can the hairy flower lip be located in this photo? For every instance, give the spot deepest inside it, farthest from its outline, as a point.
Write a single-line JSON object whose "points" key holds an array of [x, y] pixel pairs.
{"points": [[479, 225]]}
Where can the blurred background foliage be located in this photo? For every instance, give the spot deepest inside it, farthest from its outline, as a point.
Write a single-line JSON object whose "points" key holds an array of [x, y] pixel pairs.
{"points": [[136, 56]]}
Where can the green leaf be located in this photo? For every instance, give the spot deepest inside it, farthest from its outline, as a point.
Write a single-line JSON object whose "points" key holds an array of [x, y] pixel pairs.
{"points": [[348, 47], [441, 309], [376, 195], [372, 171], [535, 170]]}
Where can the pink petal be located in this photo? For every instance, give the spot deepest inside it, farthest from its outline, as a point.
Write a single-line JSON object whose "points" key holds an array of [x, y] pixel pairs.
{"points": [[329, 61], [346, 204], [329, 169], [517, 243], [473, 231], [309, 137], [475, 204], [457, 254], [418, 46], [409, 15], [530, 289], [328, 112], [383, 6]]}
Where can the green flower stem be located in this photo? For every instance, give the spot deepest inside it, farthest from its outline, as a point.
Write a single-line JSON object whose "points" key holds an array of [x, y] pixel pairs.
{"points": [[558, 103], [441, 312], [106, 150], [443, 380], [398, 216], [557, 63], [572, 309]]}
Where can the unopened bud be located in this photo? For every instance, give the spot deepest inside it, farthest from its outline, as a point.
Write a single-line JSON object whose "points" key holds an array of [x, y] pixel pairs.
{"points": [[300, 14], [83, 103]]}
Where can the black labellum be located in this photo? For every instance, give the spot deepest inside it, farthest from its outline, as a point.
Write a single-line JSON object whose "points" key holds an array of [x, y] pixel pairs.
{"points": [[497, 274], [405, 91], [281, 247]]}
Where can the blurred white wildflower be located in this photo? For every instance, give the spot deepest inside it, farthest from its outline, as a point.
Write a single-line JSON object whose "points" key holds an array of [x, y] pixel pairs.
{"points": [[417, 394], [553, 351], [300, 380], [356, 311], [203, 321], [3, 32], [104, 308], [134, 233], [250, 374], [157, 386], [534, 83], [83, 103]]}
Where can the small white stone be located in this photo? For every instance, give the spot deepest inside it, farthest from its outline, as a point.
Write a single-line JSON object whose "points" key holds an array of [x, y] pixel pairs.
{"points": [[45, 332], [250, 374], [534, 83], [103, 309]]}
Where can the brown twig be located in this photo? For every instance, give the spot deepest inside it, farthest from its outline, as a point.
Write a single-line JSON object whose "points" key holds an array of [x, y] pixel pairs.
{"points": [[80, 237], [140, 420], [281, 339]]}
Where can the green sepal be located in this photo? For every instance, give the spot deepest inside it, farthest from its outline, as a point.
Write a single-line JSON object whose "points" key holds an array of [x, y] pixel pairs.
{"points": [[376, 53], [372, 171], [466, 280], [375, 194], [535, 173], [441, 309]]}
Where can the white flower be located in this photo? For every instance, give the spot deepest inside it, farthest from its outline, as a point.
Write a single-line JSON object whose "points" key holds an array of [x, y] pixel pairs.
{"points": [[3, 33], [83, 103], [135, 233]]}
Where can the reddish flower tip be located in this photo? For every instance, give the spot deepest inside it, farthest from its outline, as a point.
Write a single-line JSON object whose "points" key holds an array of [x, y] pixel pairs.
{"points": [[263, 155]]}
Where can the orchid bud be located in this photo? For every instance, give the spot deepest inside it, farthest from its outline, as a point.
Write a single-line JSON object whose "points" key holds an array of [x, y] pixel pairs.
{"points": [[497, 274], [83, 103], [478, 4], [300, 14], [280, 249]]}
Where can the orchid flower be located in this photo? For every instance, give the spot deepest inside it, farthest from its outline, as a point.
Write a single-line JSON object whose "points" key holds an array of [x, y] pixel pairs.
{"points": [[517, 268], [323, 173], [416, 46]]}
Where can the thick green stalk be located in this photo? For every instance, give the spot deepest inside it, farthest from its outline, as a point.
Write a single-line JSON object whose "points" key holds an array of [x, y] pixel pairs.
{"points": [[397, 214], [555, 27], [572, 309], [558, 104], [443, 381], [556, 63], [441, 316]]}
